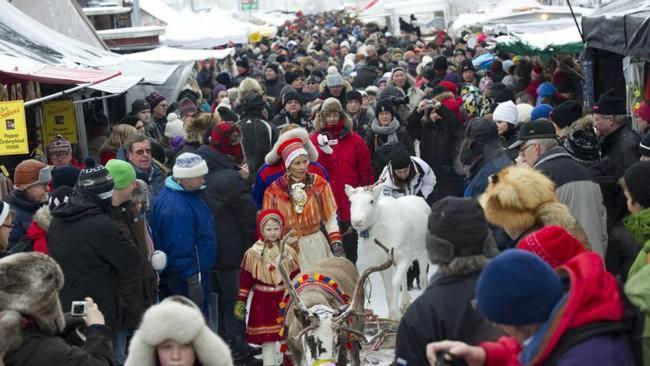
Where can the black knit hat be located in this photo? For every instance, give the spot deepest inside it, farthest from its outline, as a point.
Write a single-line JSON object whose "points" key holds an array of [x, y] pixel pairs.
{"points": [[292, 95], [96, 181], [644, 146], [139, 105], [243, 62], [440, 63], [637, 180], [502, 93], [582, 144], [429, 72], [353, 95], [65, 176], [400, 159], [566, 113], [224, 79], [385, 105], [291, 76], [273, 66], [467, 65], [458, 228], [610, 103]]}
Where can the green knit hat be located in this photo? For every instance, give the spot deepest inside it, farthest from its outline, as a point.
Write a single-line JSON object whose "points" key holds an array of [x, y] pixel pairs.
{"points": [[122, 172]]}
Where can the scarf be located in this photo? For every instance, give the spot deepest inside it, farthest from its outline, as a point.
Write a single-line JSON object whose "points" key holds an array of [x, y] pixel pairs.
{"points": [[390, 130]]}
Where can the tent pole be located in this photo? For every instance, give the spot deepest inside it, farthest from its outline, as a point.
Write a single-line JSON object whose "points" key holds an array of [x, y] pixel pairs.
{"points": [[82, 141], [56, 95], [93, 99], [576, 21]]}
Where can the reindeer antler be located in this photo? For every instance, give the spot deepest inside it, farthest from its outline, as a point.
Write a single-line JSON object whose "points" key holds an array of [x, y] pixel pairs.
{"points": [[285, 276], [357, 296]]}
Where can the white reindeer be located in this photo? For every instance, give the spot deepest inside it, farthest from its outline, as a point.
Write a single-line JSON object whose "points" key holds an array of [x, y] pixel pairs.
{"points": [[400, 223]]}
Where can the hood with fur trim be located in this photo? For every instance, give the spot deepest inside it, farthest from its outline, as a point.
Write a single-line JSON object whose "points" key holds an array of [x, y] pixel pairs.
{"points": [[410, 82], [520, 198], [176, 318], [30, 284], [273, 157], [346, 87], [43, 217], [196, 126], [329, 105], [247, 86]]}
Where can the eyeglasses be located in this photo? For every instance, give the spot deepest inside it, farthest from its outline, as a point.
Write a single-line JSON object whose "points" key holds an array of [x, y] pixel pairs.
{"points": [[141, 152], [8, 226], [524, 148]]}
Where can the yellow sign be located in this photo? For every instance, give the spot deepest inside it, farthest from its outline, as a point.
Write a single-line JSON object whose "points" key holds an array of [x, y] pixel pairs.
{"points": [[59, 119], [13, 129], [255, 37]]}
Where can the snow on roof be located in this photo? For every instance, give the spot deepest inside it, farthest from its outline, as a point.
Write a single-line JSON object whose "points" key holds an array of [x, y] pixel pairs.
{"points": [[158, 9]]}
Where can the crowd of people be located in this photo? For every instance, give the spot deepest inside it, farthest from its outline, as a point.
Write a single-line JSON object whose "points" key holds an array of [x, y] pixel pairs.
{"points": [[539, 205]]}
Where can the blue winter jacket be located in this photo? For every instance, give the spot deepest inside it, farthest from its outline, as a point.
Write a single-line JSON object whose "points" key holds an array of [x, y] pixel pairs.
{"points": [[477, 181], [183, 228]]}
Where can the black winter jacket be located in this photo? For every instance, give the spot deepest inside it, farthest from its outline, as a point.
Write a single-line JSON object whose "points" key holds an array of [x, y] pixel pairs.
{"points": [[91, 250], [273, 87], [375, 141], [257, 139], [25, 211], [40, 349], [622, 147], [233, 208], [443, 311], [366, 76]]}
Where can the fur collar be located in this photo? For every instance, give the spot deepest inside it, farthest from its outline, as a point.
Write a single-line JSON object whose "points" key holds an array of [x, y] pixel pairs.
{"points": [[43, 217]]}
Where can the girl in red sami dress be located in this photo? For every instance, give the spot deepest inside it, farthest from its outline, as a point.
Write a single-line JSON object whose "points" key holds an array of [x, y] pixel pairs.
{"points": [[259, 274]]}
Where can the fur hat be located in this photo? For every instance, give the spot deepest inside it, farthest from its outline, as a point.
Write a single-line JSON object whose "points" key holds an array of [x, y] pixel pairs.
{"points": [[273, 157], [10, 331], [30, 284], [248, 86], [331, 105], [521, 198], [176, 318], [196, 127]]}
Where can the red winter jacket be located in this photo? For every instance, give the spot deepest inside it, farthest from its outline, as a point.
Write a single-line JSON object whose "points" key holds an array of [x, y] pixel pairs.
{"points": [[532, 88], [39, 236], [593, 297]]}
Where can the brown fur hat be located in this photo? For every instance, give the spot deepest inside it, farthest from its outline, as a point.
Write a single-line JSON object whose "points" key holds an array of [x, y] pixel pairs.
{"points": [[248, 86], [329, 105], [520, 198], [197, 125], [29, 285]]}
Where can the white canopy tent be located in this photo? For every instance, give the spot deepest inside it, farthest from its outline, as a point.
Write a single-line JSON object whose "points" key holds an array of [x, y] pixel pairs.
{"points": [[176, 55]]}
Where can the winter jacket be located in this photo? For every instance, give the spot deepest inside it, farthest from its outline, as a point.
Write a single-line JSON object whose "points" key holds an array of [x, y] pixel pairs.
{"points": [[39, 349], [421, 184], [270, 173], [233, 208], [487, 165], [440, 143], [283, 118], [349, 163], [138, 290], [273, 87], [413, 93], [361, 121], [37, 231], [25, 211], [91, 250], [443, 311], [257, 139], [509, 138], [452, 103], [155, 179], [325, 92], [575, 188], [183, 228], [531, 89], [622, 147], [365, 77], [592, 296], [376, 140], [152, 130]]}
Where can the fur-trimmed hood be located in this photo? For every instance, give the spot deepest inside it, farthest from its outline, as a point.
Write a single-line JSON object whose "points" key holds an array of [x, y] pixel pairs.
{"points": [[520, 198], [195, 127], [273, 157], [346, 87], [247, 86], [176, 318], [30, 284], [409, 79], [43, 217], [329, 105]]}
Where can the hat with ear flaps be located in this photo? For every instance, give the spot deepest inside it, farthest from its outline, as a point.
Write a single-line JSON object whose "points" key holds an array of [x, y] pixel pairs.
{"points": [[176, 319], [30, 284], [457, 228], [521, 198], [275, 155]]}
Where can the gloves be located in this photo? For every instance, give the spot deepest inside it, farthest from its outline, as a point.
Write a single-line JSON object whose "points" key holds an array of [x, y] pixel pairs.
{"points": [[337, 249], [323, 143], [240, 310], [195, 290]]}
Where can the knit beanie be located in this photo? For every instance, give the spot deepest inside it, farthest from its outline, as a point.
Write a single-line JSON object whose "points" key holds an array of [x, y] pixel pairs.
{"points": [[644, 111], [506, 112], [451, 87], [292, 95], [30, 284], [189, 165], [65, 176], [644, 146], [457, 228], [637, 181], [385, 105], [59, 144], [96, 181], [174, 126], [187, 106], [610, 103], [334, 79], [215, 92], [291, 76], [353, 95], [582, 144], [139, 105], [224, 79], [517, 288], [154, 99], [59, 196], [541, 111], [524, 111], [31, 172], [566, 113], [553, 244], [400, 159], [440, 63], [122, 172], [502, 93]]}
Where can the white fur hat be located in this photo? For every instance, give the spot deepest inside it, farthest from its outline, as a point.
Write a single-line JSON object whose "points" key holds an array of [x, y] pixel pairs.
{"points": [[177, 319], [524, 111], [506, 112], [273, 157], [189, 165]]}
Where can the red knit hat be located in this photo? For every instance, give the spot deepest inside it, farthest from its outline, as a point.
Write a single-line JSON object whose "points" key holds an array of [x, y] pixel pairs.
{"points": [[644, 111], [449, 86], [553, 244], [264, 216], [291, 149]]}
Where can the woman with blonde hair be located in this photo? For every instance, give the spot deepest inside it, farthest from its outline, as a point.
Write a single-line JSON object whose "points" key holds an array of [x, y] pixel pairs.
{"points": [[119, 134]]}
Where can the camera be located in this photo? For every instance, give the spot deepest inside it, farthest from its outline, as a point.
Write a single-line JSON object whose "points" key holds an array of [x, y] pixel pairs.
{"points": [[78, 308], [447, 359]]}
